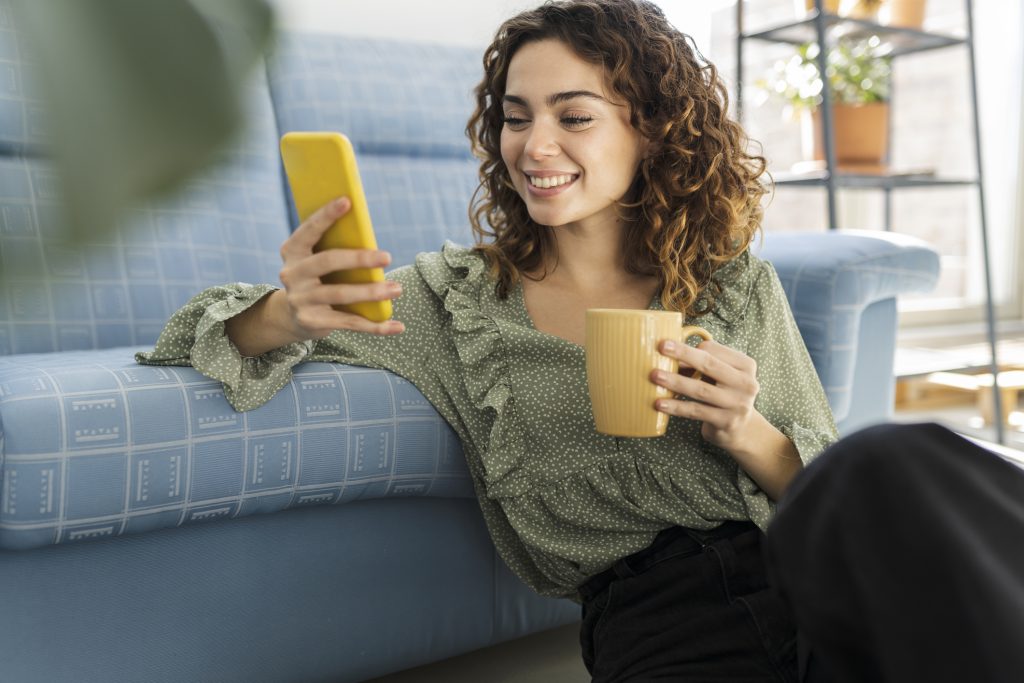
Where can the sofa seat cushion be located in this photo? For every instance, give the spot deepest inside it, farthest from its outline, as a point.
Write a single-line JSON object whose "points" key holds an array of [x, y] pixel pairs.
{"points": [[97, 446]]}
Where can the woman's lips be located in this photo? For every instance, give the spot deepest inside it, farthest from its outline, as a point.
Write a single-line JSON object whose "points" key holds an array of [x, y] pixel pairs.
{"points": [[550, 191]]}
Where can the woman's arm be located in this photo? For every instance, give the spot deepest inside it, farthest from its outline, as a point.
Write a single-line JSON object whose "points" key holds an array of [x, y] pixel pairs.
{"points": [[727, 413], [771, 427]]}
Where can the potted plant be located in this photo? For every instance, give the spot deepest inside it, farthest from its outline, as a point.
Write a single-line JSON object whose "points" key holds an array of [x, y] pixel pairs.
{"points": [[902, 13], [859, 76]]}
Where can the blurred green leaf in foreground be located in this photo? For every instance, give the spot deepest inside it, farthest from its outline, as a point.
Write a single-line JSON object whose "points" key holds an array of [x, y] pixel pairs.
{"points": [[138, 95]]}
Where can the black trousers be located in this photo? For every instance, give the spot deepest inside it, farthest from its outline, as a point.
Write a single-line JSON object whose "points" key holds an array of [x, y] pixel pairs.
{"points": [[899, 553], [694, 606]]}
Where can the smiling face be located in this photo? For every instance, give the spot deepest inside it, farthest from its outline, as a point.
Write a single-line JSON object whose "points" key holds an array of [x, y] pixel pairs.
{"points": [[567, 142]]}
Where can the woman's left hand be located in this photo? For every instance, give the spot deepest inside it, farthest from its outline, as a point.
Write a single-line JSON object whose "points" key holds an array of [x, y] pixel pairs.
{"points": [[725, 404]]}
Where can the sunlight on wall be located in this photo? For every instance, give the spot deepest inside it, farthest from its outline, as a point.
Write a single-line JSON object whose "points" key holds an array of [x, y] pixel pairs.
{"points": [[462, 22]]}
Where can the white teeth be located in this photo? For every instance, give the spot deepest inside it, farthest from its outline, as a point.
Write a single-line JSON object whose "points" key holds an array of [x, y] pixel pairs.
{"points": [[550, 181]]}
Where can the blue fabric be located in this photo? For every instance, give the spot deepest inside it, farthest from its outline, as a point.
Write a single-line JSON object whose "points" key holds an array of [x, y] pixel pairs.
{"points": [[22, 127], [874, 381], [389, 97], [336, 594], [830, 279], [131, 449], [405, 108], [119, 290]]}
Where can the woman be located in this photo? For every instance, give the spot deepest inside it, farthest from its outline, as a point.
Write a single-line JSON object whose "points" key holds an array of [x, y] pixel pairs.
{"points": [[611, 177]]}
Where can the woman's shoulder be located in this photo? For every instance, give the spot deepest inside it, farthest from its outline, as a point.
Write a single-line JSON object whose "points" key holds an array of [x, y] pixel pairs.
{"points": [[738, 281], [434, 276], [453, 260], [745, 265]]}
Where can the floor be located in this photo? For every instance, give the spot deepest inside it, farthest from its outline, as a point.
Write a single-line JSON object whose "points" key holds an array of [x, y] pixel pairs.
{"points": [[918, 400], [547, 657]]}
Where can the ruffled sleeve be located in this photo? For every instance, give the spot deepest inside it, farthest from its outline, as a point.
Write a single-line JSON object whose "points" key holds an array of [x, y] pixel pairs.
{"points": [[195, 335], [791, 396]]}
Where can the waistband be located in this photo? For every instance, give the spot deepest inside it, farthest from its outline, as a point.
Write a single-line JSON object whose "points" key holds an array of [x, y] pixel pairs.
{"points": [[671, 542]]}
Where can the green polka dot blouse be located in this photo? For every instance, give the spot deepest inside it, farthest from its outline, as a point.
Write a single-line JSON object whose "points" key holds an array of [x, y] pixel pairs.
{"points": [[562, 502]]}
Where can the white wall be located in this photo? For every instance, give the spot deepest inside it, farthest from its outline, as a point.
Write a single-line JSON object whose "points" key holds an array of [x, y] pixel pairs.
{"points": [[462, 22]]}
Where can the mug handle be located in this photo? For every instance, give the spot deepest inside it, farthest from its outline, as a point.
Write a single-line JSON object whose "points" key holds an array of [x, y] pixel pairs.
{"points": [[688, 331]]}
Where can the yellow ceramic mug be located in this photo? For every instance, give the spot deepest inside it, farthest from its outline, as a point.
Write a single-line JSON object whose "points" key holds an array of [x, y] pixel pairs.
{"points": [[622, 350]]}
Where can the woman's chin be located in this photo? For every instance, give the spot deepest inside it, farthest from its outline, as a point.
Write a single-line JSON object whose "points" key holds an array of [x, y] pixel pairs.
{"points": [[548, 219]]}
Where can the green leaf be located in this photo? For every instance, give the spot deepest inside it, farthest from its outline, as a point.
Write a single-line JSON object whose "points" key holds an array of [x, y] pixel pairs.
{"points": [[138, 95], [857, 71]]}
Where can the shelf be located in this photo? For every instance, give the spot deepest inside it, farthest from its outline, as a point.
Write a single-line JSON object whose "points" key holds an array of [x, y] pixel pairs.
{"points": [[901, 41], [868, 180]]}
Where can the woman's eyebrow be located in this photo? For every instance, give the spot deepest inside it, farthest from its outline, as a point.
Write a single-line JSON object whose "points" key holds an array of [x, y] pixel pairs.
{"points": [[556, 98]]}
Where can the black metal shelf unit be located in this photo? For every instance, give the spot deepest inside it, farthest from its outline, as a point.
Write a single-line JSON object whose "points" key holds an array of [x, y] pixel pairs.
{"points": [[867, 181], [825, 29], [904, 41]]}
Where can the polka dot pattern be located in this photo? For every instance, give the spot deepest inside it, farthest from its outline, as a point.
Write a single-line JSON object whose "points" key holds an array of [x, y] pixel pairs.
{"points": [[562, 502]]}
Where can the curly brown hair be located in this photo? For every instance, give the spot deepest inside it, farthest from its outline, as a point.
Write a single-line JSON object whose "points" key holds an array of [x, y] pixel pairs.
{"points": [[695, 202]]}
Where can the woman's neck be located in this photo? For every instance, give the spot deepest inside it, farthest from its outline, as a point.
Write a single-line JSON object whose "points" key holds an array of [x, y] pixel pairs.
{"points": [[587, 260]]}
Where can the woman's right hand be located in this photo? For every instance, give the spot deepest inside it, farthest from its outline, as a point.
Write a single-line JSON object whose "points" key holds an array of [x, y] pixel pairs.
{"points": [[302, 310], [306, 301]]}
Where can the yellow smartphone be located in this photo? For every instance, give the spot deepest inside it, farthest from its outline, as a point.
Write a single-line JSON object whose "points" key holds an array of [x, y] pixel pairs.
{"points": [[321, 167]]}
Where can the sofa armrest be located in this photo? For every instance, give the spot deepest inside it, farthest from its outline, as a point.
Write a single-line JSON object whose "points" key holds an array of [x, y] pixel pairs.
{"points": [[95, 445], [831, 279]]}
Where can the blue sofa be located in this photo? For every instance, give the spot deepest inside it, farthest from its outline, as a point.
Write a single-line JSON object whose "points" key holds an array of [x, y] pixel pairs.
{"points": [[148, 532]]}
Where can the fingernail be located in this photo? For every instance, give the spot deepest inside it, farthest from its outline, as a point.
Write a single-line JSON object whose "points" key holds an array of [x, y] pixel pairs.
{"points": [[340, 203], [670, 346]]}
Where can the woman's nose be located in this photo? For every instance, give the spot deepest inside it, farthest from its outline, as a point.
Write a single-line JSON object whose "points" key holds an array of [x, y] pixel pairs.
{"points": [[542, 142]]}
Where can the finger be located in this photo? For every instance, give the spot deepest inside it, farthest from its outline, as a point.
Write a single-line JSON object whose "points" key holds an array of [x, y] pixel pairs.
{"points": [[692, 410], [358, 323], [330, 260], [305, 237], [305, 273], [705, 361], [327, 319], [695, 389], [736, 359], [351, 294]]}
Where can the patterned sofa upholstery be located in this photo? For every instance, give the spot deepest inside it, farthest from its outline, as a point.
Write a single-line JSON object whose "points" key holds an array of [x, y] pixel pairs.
{"points": [[150, 533]]}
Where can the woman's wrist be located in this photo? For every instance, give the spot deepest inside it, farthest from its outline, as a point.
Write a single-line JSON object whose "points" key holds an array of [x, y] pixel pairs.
{"points": [[262, 327], [769, 457]]}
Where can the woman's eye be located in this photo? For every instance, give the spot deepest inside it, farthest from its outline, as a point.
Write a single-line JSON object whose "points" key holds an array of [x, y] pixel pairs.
{"points": [[514, 121], [575, 120]]}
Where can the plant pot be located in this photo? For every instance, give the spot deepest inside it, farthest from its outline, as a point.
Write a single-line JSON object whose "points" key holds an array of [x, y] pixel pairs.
{"points": [[804, 7], [861, 136], [861, 9], [902, 13]]}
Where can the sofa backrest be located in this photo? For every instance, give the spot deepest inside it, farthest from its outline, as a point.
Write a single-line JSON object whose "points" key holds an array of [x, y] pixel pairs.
{"points": [[119, 290], [405, 107]]}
